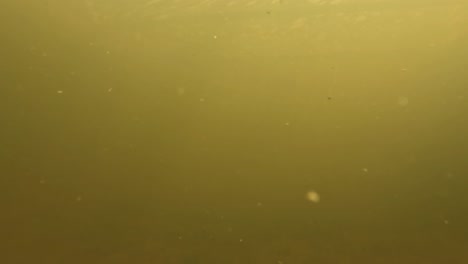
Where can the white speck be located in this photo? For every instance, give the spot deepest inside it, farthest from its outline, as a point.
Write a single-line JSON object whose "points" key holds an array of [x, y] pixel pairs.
{"points": [[317, 2], [313, 196], [180, 91], [259, 204], [365, 170], [361, 18], [286, 124], [202, 100], [109, 90], [446, 222], [60, 92], [403, 101], [241, 240], [299, 23], [107, 52], [79, 198], [404, 69], [215, 37]]}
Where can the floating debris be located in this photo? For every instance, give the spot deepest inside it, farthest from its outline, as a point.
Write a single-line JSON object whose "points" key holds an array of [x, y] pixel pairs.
{"points": [[403, 101], [313, 196], [180, 91]]}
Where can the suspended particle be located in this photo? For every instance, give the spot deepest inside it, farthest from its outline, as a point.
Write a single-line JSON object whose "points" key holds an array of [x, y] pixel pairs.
{"points": [[313, 196]]}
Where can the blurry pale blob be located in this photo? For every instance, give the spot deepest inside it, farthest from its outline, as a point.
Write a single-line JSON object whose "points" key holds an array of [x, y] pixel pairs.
{"points": [[313, 196], [403, 101], [180, 91]]}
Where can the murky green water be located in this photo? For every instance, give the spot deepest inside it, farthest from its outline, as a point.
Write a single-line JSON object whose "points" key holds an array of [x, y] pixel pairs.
{"points": [[217, 131]]}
